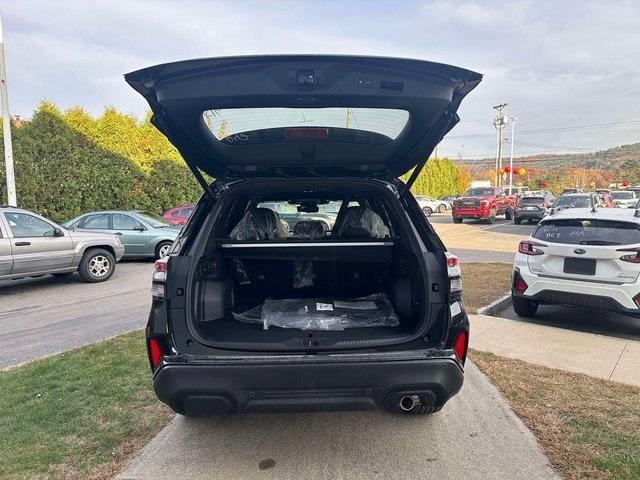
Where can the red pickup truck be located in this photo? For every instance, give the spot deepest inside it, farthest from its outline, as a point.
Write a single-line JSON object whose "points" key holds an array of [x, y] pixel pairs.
{"points": [[483, 203]]}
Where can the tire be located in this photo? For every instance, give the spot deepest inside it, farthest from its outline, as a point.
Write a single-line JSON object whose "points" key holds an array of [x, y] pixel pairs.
{"points": [[97, 265], [162, 249], [427, 211], [517, 221], [442, 208], [492, 218], [457, 219], [523, 307], [508, 214]]}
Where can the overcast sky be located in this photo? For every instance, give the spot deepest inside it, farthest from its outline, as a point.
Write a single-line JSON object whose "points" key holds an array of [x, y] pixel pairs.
{"points": [[558, 64]]}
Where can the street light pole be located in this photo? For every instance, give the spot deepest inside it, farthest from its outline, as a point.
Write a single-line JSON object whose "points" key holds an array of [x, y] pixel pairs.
{"points": [[513, 133], [499, 123], [6, 126]]}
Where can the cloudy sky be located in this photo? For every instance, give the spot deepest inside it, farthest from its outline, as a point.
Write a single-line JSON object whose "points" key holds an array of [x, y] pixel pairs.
{"points": [[558, 64]]}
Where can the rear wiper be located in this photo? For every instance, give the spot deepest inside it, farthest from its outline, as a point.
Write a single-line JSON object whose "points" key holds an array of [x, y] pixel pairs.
{"points": [[598, 242]]}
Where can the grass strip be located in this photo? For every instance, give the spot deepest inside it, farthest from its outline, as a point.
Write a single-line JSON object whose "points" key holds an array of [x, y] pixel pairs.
{"points": [[588, 427], [79, 414]]}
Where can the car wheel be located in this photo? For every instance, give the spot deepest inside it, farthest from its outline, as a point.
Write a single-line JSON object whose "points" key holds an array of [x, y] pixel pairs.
{"points": [[508, 214], [524, 307], [442, 208], [97, 265], [517, 220], [457, 219], [427, 211], [162, 249]]}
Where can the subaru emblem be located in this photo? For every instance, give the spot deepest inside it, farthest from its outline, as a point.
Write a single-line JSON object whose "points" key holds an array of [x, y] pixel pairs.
{"points": [[579, 251]]}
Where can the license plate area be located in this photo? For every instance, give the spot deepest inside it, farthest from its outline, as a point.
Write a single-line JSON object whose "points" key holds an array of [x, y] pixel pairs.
{"points": [[580, 266]]}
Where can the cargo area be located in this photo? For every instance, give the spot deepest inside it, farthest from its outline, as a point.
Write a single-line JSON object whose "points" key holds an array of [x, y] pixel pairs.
{"points": [[311, 270]]}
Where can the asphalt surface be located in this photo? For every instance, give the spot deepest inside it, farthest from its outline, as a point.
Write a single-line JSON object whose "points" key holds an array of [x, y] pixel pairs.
{"points": [[502, 226], [475, 436], [46, 315], [581, 319]]}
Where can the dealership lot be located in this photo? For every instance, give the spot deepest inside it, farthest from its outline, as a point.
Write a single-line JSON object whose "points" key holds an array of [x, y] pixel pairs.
{"points": [[42, 316]]}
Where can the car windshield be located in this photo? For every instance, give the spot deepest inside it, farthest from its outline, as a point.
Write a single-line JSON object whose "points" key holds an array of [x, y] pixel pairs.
{"points": [[154, 220], [478, 192], [573, 202], [588, 232], [623, 195]]}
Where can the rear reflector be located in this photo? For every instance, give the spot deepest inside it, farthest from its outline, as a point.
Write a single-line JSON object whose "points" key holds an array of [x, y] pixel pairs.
{"points": [[460, 346], [520, 285], [155, 352]]}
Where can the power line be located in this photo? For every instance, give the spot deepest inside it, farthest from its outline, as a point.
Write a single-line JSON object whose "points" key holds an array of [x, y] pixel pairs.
{"points": [[555, 129]]}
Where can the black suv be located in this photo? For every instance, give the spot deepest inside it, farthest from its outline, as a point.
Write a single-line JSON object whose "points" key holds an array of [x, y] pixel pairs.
{"points": [[250, 314]]}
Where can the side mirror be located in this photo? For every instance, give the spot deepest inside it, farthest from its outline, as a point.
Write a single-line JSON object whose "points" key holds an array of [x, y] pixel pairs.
{"points": [[57, 232]]}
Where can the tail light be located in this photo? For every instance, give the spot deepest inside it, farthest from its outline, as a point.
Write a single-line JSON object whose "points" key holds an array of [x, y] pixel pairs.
{"points": [[528, 247], [632, 257], [636, 300], [460, 345], [155, 352], [454, 273], [159, 278]]}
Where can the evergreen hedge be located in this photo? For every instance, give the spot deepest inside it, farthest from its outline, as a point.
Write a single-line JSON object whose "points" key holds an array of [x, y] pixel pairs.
{"points": [[68, 163]]}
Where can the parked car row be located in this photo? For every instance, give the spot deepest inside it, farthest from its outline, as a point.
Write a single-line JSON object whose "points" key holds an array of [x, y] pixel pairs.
{"points": [[91, 244]]}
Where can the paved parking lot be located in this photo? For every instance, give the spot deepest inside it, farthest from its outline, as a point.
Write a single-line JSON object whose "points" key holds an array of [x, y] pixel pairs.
{"points": [[41, 316]]}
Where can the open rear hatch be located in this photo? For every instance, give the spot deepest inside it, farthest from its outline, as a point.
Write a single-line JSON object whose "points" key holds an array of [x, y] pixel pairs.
{"points": [[304, 115]]}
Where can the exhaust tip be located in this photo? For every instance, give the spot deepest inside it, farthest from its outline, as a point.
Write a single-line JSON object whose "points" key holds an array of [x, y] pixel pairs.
{"points": [[407, 403]]}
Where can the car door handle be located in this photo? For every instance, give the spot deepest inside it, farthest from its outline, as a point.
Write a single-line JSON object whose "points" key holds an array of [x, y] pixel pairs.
{"points": [[118, 233], [22, 244]]}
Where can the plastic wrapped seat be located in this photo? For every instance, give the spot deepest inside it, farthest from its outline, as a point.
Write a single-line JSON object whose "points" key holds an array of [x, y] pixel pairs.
{"points": [[360, 222], [309, 229], [260, 224]]}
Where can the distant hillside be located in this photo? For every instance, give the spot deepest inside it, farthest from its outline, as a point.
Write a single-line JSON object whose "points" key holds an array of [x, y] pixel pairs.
{"points": [[611, 159]]}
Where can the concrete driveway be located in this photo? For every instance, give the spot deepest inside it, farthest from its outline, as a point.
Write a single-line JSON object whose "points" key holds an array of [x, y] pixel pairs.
{"points": [[475, 436]]}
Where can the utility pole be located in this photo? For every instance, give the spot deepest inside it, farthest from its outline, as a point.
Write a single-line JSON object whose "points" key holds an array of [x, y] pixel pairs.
{"points": [[499, 122], [6, 126], [513, 140]]}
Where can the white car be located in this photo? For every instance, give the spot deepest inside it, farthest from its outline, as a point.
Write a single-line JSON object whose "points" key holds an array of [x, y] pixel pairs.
{"points": [[429, 205], [580, 257], [625, 198]]}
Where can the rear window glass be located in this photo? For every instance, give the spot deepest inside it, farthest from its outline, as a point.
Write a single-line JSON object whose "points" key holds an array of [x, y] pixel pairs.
{"points": [[224, 123], [623, 195], [531, 200], [573, 202], [588, 232]]}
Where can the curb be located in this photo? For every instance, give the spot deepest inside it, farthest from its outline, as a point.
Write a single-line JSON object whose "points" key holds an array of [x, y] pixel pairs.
{"points": [[494, 308]]}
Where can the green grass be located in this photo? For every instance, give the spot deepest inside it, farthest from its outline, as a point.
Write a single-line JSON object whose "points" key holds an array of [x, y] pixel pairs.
{"points": [[588, 427], [78, 414]]}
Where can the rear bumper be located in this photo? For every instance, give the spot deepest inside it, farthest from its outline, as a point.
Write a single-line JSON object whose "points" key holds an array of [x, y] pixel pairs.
{"points": [[208, 388], [557, 291], [471, 213], [529, 215], [555, 297]]}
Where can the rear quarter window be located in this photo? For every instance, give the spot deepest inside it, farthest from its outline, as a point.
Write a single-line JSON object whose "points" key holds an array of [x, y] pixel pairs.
{"points": [[588, 232]]}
